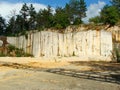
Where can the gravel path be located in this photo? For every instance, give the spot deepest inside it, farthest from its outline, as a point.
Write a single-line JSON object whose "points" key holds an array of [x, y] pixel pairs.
{"points": [[16, 76], [17, 79]]}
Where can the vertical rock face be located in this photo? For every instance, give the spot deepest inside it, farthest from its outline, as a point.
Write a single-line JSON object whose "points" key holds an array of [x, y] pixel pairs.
{"points": [[106, 43], [50, 44], [115, 30]]}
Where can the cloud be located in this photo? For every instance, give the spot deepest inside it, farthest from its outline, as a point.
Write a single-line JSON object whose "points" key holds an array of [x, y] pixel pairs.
{"points": [[94, 10], [6, 8]]}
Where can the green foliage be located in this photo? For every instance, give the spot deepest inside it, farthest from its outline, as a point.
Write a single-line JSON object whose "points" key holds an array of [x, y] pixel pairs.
{"points": [[16, 52], [32, 19], [58, 26], [24, 11], [72, 13], [2, 25], [61, 18], [73, 53], [24, 14], [116, 3], [95, 20], [117, 53], [45, 18], [109, 15], [2, 55], [68, 12], [29, 19], [78, 9], [11, 25], [77, 21], [11, 48], [19, 24]]}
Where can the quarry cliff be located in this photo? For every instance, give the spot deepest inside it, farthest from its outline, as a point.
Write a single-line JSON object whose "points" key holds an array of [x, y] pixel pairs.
{"points": [[77, 42]]}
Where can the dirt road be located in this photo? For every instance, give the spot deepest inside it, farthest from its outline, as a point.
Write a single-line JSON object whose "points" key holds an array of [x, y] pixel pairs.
{"points": [[12, 78]]}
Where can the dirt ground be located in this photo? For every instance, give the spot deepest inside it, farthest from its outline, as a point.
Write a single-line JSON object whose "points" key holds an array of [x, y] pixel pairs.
{"points": [[29, 74]]}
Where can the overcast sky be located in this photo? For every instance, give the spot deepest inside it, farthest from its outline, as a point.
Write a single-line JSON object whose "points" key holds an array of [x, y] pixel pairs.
{"points": [[7, 6]]}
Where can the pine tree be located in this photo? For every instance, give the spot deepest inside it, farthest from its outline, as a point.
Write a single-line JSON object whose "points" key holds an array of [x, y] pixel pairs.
{"points": [[95, 20], [19, 23], [39, 19], [82, 9], [2, 25], [109, 15], [45, 18], [11, 26], [24, 14], [61, 18], [32, 19], [116, 3], [69, 13], [78, 9]]}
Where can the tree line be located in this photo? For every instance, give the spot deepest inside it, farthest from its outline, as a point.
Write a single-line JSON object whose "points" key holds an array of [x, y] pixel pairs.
{"points": [[109, 15], [29, 19], [72, 13]]}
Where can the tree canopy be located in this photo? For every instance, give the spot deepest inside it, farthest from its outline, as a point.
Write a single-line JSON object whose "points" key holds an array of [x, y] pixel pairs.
{"points": [[116, 3], [73, 13], [2, 25], [110, 14], [78, 9], [96, 20], [29, 19]]}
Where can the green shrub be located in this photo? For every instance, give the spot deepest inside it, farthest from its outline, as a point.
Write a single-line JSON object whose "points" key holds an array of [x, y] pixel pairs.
{"points": [[11, 48], [58, 26], [13, 51], [73, 53], [117, 54], [28, 55], [2, 55]]}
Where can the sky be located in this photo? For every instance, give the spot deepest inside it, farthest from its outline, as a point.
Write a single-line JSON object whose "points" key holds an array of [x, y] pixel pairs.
{"points": [[8, 6]]}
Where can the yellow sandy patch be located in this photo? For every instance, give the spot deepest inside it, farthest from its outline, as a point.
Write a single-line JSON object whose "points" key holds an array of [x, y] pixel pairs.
{"points": [[5, 69], [84, 68], [47, 64]]}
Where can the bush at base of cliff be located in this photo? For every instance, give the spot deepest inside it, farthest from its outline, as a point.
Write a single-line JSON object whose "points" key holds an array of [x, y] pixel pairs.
{"points": [[16, 52], [2, 55], [117, 54]]}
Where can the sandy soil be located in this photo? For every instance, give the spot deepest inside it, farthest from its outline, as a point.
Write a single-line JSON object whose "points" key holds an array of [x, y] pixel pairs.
{"points": [[17, 79], [59, 63], [44, 63], [12, 78]]}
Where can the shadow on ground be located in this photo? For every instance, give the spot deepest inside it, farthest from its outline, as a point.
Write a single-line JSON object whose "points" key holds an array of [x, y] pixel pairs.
{"points": [[105, 72], [99, 66], [112, 77]]}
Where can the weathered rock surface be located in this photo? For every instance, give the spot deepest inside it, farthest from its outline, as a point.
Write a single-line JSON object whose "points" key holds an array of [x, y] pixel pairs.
{"points": [[115, 30], [90, 44]]}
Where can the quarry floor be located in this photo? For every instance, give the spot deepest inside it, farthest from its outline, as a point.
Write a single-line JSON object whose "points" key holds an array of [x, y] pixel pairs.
{"points": [[38, 74]]}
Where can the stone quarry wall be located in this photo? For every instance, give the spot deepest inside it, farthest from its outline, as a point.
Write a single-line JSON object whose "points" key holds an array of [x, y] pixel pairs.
{"points": [[91, 44], [115, 33], [115, 30]]}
